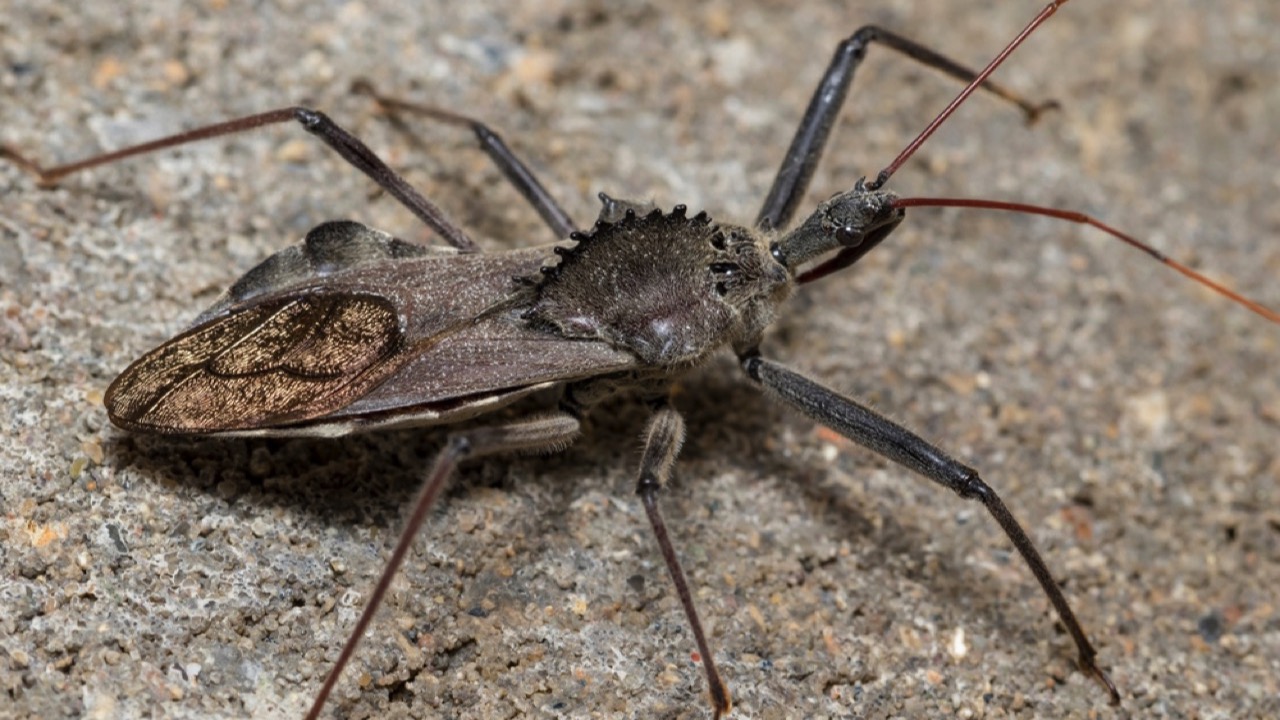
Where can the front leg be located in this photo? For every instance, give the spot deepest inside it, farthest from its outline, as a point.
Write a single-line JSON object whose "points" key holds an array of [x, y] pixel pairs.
{"points": [[802, 157], [885, 437]]}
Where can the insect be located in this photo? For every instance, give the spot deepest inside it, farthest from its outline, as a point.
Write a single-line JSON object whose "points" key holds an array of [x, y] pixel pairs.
{"points": [[343, 231]]}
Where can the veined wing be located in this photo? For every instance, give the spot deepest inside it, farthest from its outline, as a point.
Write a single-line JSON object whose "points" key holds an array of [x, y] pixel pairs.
{"points": [[277, 362], [351, 327]]}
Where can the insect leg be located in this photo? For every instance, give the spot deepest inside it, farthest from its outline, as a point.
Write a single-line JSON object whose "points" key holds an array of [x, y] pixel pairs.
{"points": [[509, 164], [885, 437], [663, 438], [811, 137], [546, 433], [317, 123]]}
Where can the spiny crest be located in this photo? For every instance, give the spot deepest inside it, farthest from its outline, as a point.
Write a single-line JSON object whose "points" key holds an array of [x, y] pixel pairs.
{"points": [[648, 283], [655, 234]]}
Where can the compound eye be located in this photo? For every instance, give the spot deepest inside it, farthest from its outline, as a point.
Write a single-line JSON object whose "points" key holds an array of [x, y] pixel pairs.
{"points": [[776, 251], [847, 236]]}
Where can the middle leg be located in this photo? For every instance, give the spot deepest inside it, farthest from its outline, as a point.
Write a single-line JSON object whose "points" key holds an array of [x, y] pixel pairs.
{"points": [[515, 170], [662, 441]]}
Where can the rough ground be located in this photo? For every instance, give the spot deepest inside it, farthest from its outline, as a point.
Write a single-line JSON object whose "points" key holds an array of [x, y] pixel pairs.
{"points": [[1129, 418]]}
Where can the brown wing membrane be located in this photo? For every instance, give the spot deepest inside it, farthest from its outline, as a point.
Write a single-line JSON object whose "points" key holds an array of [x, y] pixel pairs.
{"points": [[287, 360]]}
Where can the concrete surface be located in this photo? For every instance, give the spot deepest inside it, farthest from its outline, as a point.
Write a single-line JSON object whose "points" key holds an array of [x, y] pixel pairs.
{"points": [[1129, 418]]}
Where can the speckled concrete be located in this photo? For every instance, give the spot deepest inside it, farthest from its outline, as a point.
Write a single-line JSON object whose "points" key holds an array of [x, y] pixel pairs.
{"points": [[1129, 418]]}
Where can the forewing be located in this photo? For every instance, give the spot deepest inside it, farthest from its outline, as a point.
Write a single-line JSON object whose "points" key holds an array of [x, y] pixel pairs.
{"points": [[281, 361], [307, 331], [496, 355], [351, 330]]}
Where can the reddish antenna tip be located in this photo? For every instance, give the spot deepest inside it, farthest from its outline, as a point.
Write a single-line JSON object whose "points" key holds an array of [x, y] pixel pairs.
{"points": [[1083, 219], [1033, 112]]}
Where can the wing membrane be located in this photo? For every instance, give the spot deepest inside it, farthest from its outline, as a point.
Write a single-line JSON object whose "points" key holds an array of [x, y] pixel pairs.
{"points": [[282, 361]]}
